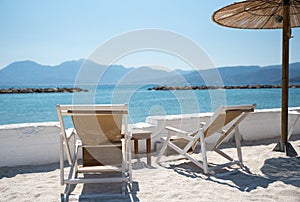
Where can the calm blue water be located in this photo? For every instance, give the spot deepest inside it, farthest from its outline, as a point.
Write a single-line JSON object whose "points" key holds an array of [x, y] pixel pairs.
{"points": [[23, 108]]}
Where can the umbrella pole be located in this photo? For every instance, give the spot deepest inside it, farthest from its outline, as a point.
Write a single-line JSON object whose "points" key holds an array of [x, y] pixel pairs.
{"points": [[284, 145]]}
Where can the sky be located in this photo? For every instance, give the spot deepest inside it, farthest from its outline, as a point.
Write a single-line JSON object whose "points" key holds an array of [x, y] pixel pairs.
{"points": [[52, 32]]}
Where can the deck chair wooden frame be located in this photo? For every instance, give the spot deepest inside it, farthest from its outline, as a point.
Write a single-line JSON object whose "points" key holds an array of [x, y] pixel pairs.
{"points": [[71, 142], [224, 121]]}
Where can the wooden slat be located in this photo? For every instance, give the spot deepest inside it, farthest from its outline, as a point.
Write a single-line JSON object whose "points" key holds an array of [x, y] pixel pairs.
{"points": [[98, 169], [96, 180], [92, 109]]}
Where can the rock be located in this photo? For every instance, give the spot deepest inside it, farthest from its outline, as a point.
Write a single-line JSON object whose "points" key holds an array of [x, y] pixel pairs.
{"points": [[218, 87], [41, 90]]}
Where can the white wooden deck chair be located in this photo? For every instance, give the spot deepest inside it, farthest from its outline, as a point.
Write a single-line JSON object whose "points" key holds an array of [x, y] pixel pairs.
{"points": [[221, 124], [97, 134]]}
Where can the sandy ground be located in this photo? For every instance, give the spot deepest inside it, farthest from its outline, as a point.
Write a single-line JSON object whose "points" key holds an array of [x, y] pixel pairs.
{"points": [[272, 177]]}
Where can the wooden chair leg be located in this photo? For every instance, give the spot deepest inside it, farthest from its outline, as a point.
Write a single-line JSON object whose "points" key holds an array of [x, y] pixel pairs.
{"points": [[238, 144], [163, 149], [203, 152]]}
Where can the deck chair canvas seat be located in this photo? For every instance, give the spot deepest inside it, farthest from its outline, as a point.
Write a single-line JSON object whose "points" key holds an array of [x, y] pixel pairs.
{"points": [[101, 135], [211, 135]]}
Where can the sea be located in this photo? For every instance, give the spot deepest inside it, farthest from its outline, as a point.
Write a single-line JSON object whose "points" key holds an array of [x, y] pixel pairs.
{"points": [[41, 107]]}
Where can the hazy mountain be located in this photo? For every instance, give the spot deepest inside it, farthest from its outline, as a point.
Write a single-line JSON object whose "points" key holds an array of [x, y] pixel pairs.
{"points": [[31, 73], [270, 75], [87, 72], [238, 75]]}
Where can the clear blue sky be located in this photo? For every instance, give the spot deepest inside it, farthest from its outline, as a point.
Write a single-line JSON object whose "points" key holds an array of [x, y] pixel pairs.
{"points": [[53, 31]]}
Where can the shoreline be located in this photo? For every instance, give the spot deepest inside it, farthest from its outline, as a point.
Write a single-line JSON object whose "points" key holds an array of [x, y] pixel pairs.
{"points": [[219, 87], [41, 90]]}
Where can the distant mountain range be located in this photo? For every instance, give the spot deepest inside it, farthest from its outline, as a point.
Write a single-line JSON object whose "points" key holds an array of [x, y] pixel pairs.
{"points": [[29, 73]]}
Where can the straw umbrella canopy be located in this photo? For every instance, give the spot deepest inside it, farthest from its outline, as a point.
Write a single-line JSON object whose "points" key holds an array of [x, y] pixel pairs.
{"points": [[267, 14]]}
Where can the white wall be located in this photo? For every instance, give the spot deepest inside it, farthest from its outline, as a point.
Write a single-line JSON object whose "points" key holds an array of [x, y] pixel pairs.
{"points": [[29, 143], [38, 143], [258, 125]]}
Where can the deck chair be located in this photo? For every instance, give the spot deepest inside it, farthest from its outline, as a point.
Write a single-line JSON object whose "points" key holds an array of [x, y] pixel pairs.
{"points": [[99, 138], [221, 124]]}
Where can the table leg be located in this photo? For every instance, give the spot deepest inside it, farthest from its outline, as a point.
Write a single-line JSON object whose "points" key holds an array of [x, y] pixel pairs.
{"points": [[136, 148], [149, 151]]}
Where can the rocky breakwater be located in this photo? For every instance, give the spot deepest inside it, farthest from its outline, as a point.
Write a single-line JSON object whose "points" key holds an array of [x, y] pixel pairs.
{"points": [[217, 87], [41, 90]]}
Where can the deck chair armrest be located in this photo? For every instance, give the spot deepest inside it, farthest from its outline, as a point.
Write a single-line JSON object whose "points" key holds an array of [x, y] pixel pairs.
{"points": [[176, 130], [177, 133]]}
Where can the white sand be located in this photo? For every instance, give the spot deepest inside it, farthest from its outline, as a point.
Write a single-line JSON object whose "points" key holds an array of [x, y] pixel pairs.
{"points": [[274, 177]]}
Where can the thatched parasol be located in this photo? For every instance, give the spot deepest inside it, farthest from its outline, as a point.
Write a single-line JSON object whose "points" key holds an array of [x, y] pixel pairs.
{"points": [[267, 14]]}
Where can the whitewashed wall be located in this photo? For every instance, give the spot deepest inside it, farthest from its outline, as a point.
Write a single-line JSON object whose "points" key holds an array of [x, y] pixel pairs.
{"points": [[29, 144], [38, 143]]}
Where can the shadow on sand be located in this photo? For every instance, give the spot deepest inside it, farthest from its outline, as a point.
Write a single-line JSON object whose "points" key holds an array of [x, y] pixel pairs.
{"points": [[284, 169], [236, 178], [241, 180], [141, 165], [109, 189], [102, 191], [10, 172]]}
